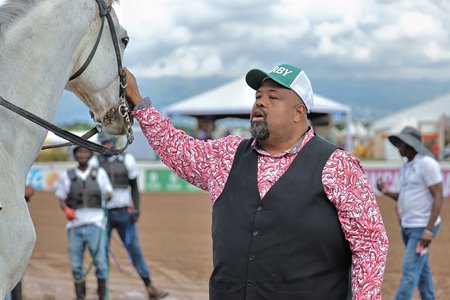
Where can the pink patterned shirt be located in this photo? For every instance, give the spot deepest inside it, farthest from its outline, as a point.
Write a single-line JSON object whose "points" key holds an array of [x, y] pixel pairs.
{"points": [[207, 164]]}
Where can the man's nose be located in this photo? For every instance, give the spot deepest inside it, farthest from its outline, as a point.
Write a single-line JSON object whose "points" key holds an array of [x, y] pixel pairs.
{"points": [[260, 102]]}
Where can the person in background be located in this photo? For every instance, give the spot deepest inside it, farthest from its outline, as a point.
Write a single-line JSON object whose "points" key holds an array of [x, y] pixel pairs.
{"points": [[29, 192], [82, 192], [124, 207], [16, 293], [419, 199], [293, 216]]}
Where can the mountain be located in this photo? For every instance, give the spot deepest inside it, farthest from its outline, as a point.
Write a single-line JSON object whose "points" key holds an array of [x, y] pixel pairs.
{"points": [[162, 91], [368, 98]]}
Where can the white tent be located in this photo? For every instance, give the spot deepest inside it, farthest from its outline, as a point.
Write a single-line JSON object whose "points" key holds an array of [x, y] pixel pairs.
{"points": [[235, 99], [430, 110], [419, 115]]}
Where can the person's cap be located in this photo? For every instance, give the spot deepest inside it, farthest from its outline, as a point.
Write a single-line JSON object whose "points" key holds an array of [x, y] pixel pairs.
{"points": [[104, 138], [412, 137], [288, 76]]}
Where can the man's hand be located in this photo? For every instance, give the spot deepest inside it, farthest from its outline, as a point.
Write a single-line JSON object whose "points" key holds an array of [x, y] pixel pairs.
{"points": [[426, 238], [29, 191], [134, 214], [381, 186], [132, 91], [70, 213]]}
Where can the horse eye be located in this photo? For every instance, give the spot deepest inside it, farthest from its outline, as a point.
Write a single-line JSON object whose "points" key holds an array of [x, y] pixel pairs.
{"points": [[125, 41]]}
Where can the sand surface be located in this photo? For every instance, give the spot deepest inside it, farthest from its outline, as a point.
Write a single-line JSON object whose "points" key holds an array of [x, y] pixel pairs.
{"points": [[174, 231]]}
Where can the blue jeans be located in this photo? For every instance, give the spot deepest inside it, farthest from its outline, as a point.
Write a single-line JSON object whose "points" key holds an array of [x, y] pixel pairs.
{"points": [[94, 238], [119, 218], [416, 268]]}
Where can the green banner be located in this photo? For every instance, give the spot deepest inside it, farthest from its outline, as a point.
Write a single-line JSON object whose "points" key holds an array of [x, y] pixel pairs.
{"points": [[163, 180]]}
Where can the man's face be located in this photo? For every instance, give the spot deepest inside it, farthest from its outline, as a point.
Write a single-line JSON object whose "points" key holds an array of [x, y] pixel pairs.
{"points": [[82, 155], [403, 148], [274, 110], [108, 144]]}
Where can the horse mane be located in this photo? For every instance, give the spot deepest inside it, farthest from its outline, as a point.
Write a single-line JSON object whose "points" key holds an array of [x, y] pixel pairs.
{"points": [[12, 10]]}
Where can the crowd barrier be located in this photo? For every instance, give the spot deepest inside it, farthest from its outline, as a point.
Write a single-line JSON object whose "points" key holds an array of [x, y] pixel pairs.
{"points": [[156, 177]]}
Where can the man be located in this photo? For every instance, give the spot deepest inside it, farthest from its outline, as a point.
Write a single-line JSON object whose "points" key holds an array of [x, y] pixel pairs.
{"points": [[123, 208], [81, 192], [293, 216], [419, 202]]}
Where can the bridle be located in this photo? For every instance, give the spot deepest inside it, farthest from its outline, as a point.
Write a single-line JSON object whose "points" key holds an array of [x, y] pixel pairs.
{"points": [[123, 106]]}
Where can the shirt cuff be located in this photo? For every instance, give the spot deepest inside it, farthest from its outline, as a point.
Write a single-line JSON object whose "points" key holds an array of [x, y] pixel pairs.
{"points": [[146, 102]]}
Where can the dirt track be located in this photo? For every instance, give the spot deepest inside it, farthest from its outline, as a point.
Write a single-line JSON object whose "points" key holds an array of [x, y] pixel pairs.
{"points": [[174, 231]]}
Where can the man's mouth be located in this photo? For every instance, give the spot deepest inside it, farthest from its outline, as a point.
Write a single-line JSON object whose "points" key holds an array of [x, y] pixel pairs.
{"points": [[258, 116]]}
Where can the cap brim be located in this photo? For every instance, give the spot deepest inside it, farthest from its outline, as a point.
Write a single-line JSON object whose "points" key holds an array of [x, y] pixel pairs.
{"points": [[255, 77]]}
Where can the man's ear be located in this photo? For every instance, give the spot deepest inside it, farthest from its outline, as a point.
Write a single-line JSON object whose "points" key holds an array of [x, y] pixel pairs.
{"points": [[300, 112]]}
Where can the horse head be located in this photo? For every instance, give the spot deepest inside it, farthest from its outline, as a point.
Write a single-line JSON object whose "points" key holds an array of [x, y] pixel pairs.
{"points": [[96, 67], [43, 43]]}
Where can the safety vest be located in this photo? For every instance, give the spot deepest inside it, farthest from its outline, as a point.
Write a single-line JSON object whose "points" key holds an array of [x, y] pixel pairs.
{"points": [[117, 172], [84, 193]]}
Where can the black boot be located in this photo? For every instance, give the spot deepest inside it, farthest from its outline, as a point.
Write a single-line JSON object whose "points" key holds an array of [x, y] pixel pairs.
{"points": [[155, 293], [80, 290], [101, 289]]}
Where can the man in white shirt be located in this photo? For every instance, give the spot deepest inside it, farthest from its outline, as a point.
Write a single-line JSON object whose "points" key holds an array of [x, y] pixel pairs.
{"points": [[419, 202], [81, 192], [123, 208]]}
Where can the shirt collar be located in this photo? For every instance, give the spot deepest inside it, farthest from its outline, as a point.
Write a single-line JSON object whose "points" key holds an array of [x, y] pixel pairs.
{"points": [[294, 150]]}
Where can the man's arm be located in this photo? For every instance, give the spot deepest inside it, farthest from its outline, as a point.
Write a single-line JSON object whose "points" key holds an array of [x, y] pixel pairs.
{"points": [[131, 166], [438, 200], [381, 186], [62, 190], [135, 195], [348, 189], [198, 162]]}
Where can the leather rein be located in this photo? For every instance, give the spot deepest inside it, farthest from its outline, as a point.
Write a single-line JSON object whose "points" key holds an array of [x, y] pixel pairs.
{"points": [[123, 106]]}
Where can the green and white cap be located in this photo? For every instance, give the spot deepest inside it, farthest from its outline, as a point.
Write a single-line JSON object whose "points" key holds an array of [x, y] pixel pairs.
{"points": [[288, 76]]}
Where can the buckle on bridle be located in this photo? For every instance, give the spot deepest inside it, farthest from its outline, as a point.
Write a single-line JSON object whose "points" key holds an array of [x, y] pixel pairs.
{"points": [[104, 9]]}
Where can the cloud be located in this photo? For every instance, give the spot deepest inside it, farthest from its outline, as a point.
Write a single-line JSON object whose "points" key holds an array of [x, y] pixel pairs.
{"points": [[362, 38], [395, 49], [371, 38]]}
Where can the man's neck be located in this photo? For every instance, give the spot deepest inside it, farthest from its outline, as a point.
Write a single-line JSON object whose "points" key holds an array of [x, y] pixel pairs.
{"points": [[411, 156], [82, 167], [273, 146]]}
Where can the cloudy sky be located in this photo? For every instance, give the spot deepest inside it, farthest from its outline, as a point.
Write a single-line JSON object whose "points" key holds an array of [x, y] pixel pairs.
{"points": [[399, 39], [376, 56]]}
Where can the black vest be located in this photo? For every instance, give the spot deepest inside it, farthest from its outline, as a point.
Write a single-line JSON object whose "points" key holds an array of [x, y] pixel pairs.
{"points": [[84, 193], [117, 172], [287, 246]]}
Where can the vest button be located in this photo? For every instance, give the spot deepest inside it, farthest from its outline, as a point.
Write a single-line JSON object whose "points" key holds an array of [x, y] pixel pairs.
{"points": [[255, 233], [251, 257], [259, 208], [250, 282]]}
